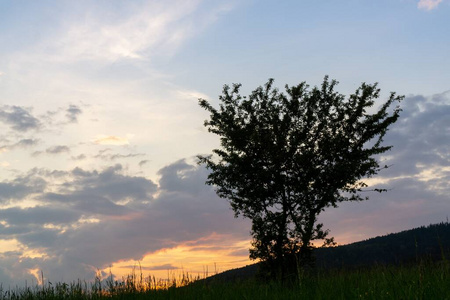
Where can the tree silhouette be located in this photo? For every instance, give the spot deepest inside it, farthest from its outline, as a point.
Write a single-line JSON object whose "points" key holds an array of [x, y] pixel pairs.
{"points": [[285, 158]]}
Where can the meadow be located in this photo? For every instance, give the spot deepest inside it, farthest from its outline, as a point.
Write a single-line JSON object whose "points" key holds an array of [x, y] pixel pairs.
{"points": [[424, 280]]}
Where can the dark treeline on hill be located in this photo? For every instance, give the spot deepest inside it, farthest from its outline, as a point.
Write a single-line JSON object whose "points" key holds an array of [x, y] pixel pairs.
{"points": [[426, 243]]}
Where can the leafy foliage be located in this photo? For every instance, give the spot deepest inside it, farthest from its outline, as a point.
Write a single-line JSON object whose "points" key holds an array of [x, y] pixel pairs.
{"points": [[284, 158]]}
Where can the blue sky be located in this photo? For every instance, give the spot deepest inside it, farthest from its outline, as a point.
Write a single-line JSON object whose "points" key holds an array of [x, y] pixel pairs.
{"points": [[100, 122]]}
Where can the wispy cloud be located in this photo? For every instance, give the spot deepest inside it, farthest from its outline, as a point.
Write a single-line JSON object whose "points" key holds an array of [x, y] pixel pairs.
{"points": [[143, 162], [23, 143], [428, 4], [79, 157], [111, 140], [155, 27], [110, 156], [57, 149]]}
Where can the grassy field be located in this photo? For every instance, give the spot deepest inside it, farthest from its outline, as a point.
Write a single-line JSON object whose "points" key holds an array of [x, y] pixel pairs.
{"points": [[422, 281]]}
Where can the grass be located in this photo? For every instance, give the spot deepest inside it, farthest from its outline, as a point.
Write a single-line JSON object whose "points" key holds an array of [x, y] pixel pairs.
{"points": [[421, 281]]}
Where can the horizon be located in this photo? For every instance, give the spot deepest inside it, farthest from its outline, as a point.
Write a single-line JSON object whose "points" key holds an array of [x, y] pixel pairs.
{"points": [[100, 124]]}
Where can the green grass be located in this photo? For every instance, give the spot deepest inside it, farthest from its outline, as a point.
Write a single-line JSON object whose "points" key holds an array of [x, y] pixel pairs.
{"points": [[422, 281]]}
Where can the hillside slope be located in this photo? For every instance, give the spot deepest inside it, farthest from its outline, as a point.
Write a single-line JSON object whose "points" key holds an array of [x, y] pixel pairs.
{"points": [[427, 242], [431, 243]]}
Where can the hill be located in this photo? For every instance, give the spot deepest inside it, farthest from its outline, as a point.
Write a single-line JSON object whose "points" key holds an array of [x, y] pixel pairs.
{"points": [[423, 243]]}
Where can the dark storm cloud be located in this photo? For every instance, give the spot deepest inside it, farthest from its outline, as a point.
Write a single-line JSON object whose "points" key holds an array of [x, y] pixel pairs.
{"points": [[72, 113], [19, 118]]}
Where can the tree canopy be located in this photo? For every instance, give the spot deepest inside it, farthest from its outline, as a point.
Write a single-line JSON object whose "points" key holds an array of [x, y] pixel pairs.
{"points": [[286, 157]]}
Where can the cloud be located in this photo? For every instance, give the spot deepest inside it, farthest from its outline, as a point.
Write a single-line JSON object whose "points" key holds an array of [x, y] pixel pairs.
{"points": [[26, 143], [109, 156], [173, 217], [19, 118], [21, 187], [420, 136], [108, 36], [417, 180], [61, 116], [143, 162], [12, 190], [38, 215], [36, 153], [133, 216], [57, 149], [23, 143], [22, 120], [107, 193], [118, 156], [4, 164], [428, 4], [178, 176], [79, 157], [116, 31], [111, 140], [72, 113]]}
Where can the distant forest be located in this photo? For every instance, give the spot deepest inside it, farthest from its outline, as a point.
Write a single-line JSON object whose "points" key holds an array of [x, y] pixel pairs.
{"points": [[424, 243]]}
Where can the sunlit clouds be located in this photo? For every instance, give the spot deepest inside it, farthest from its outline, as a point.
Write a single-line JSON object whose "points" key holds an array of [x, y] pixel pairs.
{"points": [[80, 215]]}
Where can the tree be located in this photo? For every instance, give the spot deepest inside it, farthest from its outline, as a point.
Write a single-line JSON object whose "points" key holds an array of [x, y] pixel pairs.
{"points": [[285, 158]]}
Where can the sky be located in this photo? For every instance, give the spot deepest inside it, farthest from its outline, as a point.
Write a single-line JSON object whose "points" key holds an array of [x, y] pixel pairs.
{"points": [[100, 124]]}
